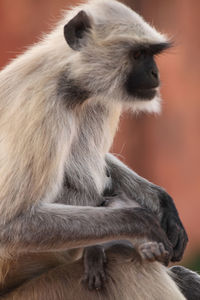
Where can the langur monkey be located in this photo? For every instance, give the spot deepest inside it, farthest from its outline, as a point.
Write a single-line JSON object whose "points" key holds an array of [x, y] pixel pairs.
{"points": [[60, 103]]}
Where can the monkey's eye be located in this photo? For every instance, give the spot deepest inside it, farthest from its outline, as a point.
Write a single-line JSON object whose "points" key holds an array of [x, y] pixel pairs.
{"points": [[138, 54]]}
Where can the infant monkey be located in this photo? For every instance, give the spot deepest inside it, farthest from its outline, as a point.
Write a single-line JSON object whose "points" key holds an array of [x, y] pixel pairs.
{"points": [[143, 251], [95, 258]]}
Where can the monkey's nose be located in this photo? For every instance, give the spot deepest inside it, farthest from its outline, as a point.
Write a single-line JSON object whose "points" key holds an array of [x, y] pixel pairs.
{"points": [[154, 74]]}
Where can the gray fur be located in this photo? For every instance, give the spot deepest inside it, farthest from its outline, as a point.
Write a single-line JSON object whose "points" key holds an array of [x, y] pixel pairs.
{"points": [[71, 91], [135, 187], [65, 106], [188, 282]]}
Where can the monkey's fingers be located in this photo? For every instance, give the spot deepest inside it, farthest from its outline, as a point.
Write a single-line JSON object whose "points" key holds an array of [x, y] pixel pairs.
{"points": [[99, 280], [180, 247], [173, 226], [85, 278], [88, 281], [153, 251], [155, 233], [164, 255], [178, 237], [94, 281], [91, 283]]}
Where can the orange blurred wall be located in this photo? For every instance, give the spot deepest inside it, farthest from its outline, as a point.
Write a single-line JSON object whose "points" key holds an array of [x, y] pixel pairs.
{"points": [[170, 144], [163, 149]]}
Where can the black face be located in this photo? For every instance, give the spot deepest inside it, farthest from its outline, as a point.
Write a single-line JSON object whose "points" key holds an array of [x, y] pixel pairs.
{"points": [[144, 77]]}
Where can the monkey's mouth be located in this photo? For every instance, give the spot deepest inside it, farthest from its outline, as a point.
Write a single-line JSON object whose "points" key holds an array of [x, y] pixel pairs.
{"points": [[145, 94]]}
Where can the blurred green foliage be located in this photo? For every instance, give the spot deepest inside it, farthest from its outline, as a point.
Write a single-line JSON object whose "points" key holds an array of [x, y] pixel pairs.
{"points": [[194, 262]]}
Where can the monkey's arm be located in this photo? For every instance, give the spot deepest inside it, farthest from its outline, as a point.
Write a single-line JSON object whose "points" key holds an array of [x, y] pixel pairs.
{"points": [[152, 197], [54, 227]]}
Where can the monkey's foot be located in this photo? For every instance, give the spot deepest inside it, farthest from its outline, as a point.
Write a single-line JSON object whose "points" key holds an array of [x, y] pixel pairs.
{"points": [[153, 251], [94, 264]]}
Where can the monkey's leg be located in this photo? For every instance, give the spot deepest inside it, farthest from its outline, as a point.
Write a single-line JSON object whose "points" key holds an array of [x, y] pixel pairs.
{"points": [[24, 267], [125, 281], [188, 282], [95, 258], [151, 196]]}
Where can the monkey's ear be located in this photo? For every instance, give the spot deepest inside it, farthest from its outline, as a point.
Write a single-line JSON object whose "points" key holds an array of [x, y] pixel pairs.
{"points": [[75, 31]]}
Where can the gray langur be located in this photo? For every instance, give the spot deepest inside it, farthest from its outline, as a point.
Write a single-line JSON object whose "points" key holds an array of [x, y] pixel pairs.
{"points": [[60, 103]]}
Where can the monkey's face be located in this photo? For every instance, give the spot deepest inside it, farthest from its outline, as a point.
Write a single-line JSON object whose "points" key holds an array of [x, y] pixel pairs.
{"points": [[143, 80], [115, 57]]}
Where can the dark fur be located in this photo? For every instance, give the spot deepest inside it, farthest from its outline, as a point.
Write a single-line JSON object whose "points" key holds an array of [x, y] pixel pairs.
{"points": [[75, 29], [188, 282], [71, 91], [144, 77]]}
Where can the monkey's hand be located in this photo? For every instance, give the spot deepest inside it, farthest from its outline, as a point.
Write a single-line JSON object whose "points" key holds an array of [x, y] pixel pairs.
{"points": [[151, 231], [172, 225], [150, 228], [168, 214], [94, 260], [153, 251], [150, 196]]}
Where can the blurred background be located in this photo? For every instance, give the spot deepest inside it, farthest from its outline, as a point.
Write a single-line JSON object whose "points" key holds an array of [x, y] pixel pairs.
{"points": [[164, 149]]}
